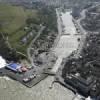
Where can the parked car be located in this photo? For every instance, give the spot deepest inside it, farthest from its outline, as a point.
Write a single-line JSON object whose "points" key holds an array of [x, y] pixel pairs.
{"points": [[29, 78], [24, 69]]}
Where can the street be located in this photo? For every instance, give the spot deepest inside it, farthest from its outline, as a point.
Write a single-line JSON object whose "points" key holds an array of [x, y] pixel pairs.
{"points": [[67, 41]]}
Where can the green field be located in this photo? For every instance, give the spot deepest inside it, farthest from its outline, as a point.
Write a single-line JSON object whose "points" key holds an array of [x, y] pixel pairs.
{"points": [[12, 21]]}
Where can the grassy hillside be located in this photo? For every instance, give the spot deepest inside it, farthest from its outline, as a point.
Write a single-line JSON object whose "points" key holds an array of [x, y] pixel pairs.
{"points": [[14, 17], [13, 21]]}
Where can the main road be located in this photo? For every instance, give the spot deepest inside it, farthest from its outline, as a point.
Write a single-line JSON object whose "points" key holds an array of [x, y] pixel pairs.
{"points": [[67, 41], [30, 46]]}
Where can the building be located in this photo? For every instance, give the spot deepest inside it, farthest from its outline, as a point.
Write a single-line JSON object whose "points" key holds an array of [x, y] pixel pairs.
{"points": [[82, 85], [2, 62]]}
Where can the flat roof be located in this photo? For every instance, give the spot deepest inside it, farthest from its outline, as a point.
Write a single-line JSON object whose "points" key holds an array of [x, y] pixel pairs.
{"points": [[13, 66]]}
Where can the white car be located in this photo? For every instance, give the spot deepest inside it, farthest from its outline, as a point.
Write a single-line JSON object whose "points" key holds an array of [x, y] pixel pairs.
{"points": [[27, 79]]}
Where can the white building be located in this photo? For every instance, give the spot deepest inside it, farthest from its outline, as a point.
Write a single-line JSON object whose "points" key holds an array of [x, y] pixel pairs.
{"points": [[2, 62]]}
